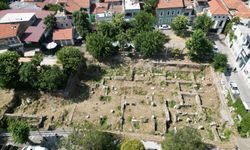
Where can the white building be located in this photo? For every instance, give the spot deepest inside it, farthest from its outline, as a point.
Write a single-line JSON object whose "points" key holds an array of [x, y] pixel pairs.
{"points": [[131, 7], [219, 13], [241, 48]]}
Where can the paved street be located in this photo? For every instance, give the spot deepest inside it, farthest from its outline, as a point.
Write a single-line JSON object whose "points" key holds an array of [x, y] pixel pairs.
{"points": [[235, 77]]}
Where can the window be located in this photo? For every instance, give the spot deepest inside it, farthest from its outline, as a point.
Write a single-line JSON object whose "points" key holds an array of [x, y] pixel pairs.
{"points": [[161, 13], [168, 12], [160, 21], [172, 12], [221, 23]]}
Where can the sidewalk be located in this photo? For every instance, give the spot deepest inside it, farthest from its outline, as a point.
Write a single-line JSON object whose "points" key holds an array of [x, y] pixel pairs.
{"points": [[237, 77]]}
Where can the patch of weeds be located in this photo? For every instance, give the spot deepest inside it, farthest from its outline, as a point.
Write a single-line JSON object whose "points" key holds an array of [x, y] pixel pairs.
{"points": [[129, 119], [229, 99], [183, 75], [103, 120], [171, 104], [169, 75], [199, 74], [137, 126], [208, 113], [175, 93], [163, 83], [210, 134], [139, 91], [156, 70], [227, 133], [105, 98]]}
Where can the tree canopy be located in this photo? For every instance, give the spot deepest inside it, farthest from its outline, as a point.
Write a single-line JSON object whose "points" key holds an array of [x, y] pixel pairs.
{"points": [[149, 5], [50, 78], [143, 21], [3, 5], [90, 138], [185, 139], [150, 43], [54, 7], [8, 68], [220, 62], [99, 46], [71, 58], [81, 22], [179, 25], [28, 74], [132, 144], [107, 28], [203, 22], [200, 47], [50, 21], [20, 131]]}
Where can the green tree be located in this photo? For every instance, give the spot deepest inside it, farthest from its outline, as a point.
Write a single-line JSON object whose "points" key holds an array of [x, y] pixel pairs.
{"points": [[203, 22], [179, 25], [99, 46], [185, 139], [123, 40], [50, 21], [200, 47], [149, 5], [71, 58], [89, 138], [143, 21], [37, 59], [220, 62], [20, 131], [3, 5], [107, 29], [28, 74], [81, 22], [8, 69], [119, 22], [150, 43], [50, 78], [132, 145], [53, 7]]}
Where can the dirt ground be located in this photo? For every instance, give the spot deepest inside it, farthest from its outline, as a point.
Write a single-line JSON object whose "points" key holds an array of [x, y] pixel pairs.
{"points": [[145, 91]]}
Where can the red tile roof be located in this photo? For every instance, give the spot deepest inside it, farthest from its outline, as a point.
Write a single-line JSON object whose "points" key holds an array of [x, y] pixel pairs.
{"points": [[63, 34], [32, 33], [8, 30], [216, 7], [239, 6], [170, 4], [75, 5]]}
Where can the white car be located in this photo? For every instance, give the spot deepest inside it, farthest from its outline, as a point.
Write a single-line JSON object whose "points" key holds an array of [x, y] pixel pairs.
{"points": [[234, 88], [34, 148], [164, 27]]}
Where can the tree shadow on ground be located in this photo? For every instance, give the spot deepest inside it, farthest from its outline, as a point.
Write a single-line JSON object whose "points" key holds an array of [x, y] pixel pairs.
{"points": [[93, 73], [82, 93], [51, 142], [114, 61]]}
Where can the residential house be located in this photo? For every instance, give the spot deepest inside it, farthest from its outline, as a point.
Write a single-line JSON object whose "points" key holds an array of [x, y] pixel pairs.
{"points": [[64, 37], [9, 37], [33, 30], [200, 5], [75, 5], [62, 20], [131, 8], [167, 10], [106, 10], [219, 13]]}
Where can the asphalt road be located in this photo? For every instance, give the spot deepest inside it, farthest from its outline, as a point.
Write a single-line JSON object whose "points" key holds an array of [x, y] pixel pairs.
{"points": [[237, 77]]}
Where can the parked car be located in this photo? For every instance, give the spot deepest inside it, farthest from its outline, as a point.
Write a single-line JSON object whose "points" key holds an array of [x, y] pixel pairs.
{"points": [[34, 148], [164, 27], [234, 88]]}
